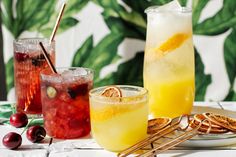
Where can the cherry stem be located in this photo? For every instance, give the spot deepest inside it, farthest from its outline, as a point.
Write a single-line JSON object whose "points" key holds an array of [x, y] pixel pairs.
{"points": [[50, 142], [27, 126]]}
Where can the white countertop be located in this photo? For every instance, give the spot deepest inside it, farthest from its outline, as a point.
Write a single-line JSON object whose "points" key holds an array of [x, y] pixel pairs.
{"points": [[87, 147]]}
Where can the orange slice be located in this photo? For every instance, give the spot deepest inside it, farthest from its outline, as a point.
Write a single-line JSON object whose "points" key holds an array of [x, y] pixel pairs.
{"points": [[173, 43], [112, 91]]}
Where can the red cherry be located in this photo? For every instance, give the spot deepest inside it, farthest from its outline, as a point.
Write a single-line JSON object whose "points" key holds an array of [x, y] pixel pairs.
{"points": [[35, 133], [12, 140], [21, 56], [18, 120]]}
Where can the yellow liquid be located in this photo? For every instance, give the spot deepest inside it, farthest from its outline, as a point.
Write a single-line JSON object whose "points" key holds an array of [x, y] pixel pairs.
{"points": [[116, 127], [172, 98], [170, 81]]}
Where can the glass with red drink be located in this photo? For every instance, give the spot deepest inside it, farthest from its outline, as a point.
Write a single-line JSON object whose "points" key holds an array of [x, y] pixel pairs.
{"points": [[65, 102], [29, 61]]}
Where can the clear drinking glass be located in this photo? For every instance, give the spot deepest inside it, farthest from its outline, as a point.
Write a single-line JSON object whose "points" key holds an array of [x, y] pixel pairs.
{"points": [[28, 63], [65, 101], [119, 122], [169, 61]]}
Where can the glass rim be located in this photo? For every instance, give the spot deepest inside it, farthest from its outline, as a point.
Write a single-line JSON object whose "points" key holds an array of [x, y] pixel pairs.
{"points": [[155, 9], [88, 70], [93, 92], [22, 40]]}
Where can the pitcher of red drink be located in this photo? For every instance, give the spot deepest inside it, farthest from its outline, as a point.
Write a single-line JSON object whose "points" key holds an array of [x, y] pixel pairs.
{"points": [[29, 61]]}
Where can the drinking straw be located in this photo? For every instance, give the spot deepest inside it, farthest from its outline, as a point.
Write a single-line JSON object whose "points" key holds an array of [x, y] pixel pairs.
{"points": [[47, 58], [57, 22]]}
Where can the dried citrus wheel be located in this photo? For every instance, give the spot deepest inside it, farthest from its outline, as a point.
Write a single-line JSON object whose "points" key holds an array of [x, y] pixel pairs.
{"points": [[223, 121], [207, 129], [173, 42], [200, 117], [112, 91], [157, 124]]}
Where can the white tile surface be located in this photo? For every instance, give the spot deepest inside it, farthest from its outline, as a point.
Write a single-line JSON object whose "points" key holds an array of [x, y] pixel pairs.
{"points": [[172, 153], [23, 153], [83, 153]]}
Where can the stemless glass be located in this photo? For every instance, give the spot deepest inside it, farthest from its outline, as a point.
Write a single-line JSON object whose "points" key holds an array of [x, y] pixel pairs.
{"points": [[119, 122], [169, 61], [65, 101], [29, 61]]}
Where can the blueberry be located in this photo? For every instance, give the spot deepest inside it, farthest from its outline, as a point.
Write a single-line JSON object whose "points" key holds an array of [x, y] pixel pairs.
{"points": [[38, 60], [81, 89]]}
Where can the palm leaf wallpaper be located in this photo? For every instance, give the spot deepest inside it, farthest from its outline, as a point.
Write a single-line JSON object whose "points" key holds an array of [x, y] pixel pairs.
{"points": [[109, 37]]}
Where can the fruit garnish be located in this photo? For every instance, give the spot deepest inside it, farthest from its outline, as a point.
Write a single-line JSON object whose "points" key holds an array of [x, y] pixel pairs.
{"points": [[51, 92], [221, 120], [12, 140], [38, 60], [35, 133], [200, 117], [157, 124], [18, 120], [76, 90], [173, 43], [112, 91], [207, 129], [21, 56]]}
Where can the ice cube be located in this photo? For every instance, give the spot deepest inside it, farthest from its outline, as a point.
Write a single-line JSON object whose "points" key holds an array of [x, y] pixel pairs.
{"points": [[173, 5], [74, 73], [67, 74], [80, 72]]}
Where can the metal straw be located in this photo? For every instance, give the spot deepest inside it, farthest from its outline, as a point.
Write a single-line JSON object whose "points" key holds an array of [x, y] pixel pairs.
{"points": [[57, 22], [47, 58]]}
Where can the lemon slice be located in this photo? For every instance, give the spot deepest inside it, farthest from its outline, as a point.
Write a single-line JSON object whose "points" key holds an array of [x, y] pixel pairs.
{"points": [[172, 43]]}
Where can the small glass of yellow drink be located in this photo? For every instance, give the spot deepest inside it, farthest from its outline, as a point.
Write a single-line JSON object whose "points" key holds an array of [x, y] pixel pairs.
{"points": [[121, 121]]}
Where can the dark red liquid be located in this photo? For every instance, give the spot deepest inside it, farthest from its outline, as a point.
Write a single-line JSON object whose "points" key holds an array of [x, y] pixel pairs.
{"points": [[66, 114], [27, 67]]}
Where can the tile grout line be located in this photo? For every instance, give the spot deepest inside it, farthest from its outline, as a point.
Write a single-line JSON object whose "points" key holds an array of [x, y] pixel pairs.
{"points": [[220, 105], [48, 149]]}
